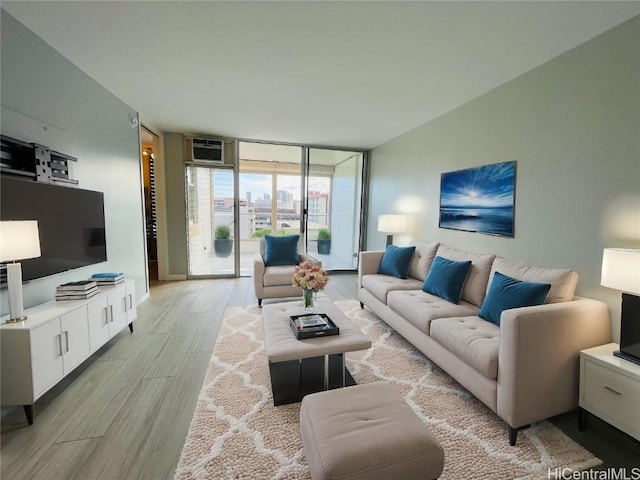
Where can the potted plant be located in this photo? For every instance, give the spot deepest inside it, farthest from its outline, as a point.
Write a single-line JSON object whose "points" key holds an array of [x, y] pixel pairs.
{"points": [[223, 243], [324, 241]]}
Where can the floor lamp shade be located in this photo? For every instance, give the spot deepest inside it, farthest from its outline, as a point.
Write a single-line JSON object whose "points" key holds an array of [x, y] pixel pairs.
{"points": [[19, 240], [392, 224]]}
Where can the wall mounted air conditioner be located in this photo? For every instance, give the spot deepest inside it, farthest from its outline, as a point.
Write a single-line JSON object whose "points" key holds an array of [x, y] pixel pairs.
{"points": [[205, 151]]}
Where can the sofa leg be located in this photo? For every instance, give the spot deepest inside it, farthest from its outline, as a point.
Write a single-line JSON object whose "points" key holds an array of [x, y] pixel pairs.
{"points": [[513, 434], [260, 302], [362, 305]]}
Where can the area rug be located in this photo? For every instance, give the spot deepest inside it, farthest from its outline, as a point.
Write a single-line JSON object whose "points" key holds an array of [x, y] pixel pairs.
{"points": [[237, 433]]}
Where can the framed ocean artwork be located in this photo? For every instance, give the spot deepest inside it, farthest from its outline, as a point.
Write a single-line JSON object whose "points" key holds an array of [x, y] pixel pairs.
{"points": [[479, 199]]}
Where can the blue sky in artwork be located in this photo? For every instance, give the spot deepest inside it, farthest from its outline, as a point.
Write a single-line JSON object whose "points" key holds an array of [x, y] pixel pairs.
{"points": [[489, 186]]}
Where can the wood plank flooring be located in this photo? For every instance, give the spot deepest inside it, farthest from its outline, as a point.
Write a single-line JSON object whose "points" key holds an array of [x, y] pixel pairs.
{"points": [[125, 412]]}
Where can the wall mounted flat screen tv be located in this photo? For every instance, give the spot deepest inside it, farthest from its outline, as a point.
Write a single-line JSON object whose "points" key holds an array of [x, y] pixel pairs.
{"points": [[70, 222]]}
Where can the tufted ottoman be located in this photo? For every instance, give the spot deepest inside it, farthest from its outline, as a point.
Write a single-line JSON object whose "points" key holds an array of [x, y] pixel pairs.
{"points": [[367, 432]]}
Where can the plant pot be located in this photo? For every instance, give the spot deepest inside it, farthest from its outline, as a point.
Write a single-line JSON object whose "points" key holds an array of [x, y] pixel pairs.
{"points": [[223, 247], [324, 247]]}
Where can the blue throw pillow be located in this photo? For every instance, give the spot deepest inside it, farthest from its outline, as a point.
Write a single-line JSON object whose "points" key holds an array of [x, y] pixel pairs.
{"points": [[396, 261], [281, 250], [506, 292], [446, 278]]}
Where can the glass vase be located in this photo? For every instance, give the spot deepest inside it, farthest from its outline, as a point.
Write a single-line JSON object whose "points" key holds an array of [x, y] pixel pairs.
{"points": [[308, 300]]}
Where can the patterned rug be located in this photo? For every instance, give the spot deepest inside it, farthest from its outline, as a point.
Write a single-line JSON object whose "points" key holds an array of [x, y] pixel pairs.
{"points": [[237, 433]]}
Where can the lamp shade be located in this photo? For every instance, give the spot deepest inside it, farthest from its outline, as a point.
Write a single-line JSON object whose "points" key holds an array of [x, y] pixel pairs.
{"points": [[19, 240], [621, 270], [392, 223]]}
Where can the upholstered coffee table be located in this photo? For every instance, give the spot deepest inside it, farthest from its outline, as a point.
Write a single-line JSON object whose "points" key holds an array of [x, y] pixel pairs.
{"points": [[299, 367]]}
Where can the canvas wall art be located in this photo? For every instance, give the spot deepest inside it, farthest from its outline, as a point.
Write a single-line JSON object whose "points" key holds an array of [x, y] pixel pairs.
{"points": [[479, 199]]}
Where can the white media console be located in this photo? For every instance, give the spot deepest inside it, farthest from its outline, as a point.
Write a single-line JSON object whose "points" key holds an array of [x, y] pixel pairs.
{"points": [[57, 337]]}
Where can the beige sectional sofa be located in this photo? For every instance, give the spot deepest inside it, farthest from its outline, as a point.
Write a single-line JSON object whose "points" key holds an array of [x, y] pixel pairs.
{"points": [[527, 368]]}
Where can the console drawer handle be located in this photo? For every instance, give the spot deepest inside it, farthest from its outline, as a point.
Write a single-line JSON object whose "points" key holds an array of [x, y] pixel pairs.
{"points": [[612, 390]]}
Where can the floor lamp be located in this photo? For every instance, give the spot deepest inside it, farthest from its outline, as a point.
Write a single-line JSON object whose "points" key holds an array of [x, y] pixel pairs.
{"points": [[19, 240], [391, 224]]}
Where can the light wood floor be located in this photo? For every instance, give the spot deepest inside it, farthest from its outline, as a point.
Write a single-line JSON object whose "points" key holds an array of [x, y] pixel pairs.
{"points": [[125, 412]]}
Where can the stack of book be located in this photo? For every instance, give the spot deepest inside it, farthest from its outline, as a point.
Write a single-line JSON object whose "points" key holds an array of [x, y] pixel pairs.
{"points": [[313, 325], [108, 278], [77, 290]]}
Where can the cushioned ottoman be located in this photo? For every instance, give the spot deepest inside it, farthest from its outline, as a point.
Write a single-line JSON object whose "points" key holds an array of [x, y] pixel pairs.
{"points": [[367, 432]]}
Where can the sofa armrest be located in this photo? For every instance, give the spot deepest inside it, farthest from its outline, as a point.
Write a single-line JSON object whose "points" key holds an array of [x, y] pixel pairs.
{"points": [[538, 361], [258, 274], [305, 257], [369, 263]]}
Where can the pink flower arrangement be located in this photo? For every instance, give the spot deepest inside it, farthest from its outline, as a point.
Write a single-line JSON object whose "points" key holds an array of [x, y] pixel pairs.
{"points": [[310, 277]]}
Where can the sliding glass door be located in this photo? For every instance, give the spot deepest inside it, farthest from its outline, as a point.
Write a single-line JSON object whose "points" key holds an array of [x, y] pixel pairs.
{"points": [[210, 220], [288, 189], [270, 195], [333, 199]]}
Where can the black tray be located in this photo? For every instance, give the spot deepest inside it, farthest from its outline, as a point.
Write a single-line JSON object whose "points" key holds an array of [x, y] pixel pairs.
{"points": [[311, 332]]}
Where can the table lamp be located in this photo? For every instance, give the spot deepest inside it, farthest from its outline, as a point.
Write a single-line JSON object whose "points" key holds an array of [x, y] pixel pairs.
{"points": [[621, 271], [391, 224], [19, 240]]}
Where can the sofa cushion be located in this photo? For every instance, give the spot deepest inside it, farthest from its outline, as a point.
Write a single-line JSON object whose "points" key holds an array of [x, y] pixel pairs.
{"points": [[422, 259], [563, 281], [281, 250], [473, 340], [446, 278], [420, 308], [475, 286], [278, 275], [396, 261], [506, 292], [380, 285]]}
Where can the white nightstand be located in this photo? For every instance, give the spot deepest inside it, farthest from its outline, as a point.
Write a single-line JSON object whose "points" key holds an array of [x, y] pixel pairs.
{"points": [[610, 389]]}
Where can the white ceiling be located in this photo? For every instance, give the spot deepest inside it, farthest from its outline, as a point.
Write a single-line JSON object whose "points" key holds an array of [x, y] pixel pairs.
{"points": [[352, 74]]}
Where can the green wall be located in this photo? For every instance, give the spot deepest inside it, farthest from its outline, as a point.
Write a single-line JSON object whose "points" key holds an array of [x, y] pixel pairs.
{"points": [[176, 206], [572, 125], [48, 100]]}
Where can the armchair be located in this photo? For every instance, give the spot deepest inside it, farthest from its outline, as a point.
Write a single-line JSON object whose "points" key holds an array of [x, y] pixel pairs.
{"points": [[275, 281]]}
